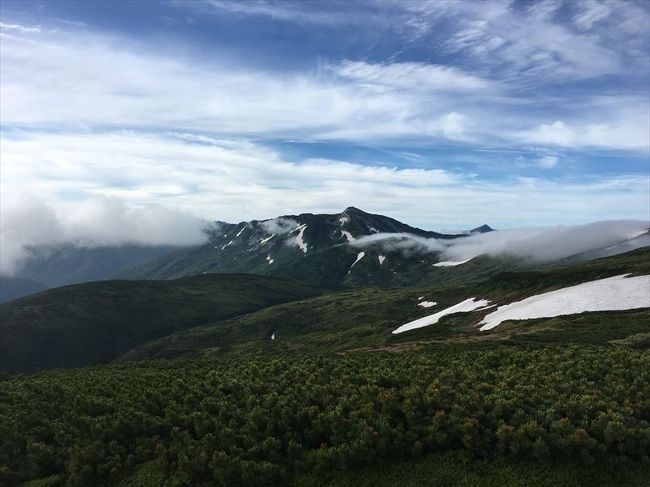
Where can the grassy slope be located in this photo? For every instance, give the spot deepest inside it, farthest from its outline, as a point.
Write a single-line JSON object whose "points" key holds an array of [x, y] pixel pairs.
{"points": [[366, 317], [94, 322]]}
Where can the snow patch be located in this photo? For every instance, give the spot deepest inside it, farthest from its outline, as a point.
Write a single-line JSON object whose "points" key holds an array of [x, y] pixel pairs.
{"points": [[373, 229], [298, 241], [381, 259], [613, 293], [427, 304], [450, 263], [264, 240], [273, 336], [470, 304], [420, 298], [269, 259], [360, 256], [344, 219], [240, 231], [348, 235]]}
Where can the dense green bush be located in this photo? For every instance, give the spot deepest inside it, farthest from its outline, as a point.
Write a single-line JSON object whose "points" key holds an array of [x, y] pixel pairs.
{"points": [[258, 421]]}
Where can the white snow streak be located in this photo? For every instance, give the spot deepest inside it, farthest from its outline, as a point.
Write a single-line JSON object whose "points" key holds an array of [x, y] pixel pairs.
{"points": [[264, 240], [240, 231], [348, 235], [614, 293], [381, 259], [450, 263], [427, 304], [360, 256], [470, 304]]}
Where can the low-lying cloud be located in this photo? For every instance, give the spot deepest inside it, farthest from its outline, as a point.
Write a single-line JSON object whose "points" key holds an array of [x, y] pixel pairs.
{"points": [[539, 244], [33, 222], [279, 226]]}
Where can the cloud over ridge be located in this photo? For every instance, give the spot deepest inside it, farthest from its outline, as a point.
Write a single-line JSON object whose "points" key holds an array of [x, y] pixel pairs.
{"points": [[537, 244]]}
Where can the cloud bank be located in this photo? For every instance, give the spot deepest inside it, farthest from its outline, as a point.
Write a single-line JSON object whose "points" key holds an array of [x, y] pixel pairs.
{"points": [[279, 226], [48, 81], [31, 222], [541, 244]]}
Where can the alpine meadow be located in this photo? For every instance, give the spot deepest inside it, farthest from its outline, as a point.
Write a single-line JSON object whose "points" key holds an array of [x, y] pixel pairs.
{"points": [[324, 243]]}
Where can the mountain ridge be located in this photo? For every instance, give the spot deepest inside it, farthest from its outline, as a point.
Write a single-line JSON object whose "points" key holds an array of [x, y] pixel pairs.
{"points": [[309, 247]]}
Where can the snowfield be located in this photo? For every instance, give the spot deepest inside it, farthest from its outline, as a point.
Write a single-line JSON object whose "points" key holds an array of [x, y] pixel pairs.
{"points": [[614, 293], [470, 304], [450, 263]]}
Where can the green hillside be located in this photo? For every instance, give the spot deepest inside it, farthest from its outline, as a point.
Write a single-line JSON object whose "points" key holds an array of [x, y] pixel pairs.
{"points": [[366, 317], [95, 322]]}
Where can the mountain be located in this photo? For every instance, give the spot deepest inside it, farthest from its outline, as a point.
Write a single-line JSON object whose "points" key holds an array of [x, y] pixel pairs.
{"points": [[95, 322], [16, 287], [223, 314], [312, 248], [481, 229], [68, 264], [366, 318]]}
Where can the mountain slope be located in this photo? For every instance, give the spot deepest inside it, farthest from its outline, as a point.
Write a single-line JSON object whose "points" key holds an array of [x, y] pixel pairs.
{"points": [[94, 322], [16, 287], [367, 317], [69, 264], [312, 248]]}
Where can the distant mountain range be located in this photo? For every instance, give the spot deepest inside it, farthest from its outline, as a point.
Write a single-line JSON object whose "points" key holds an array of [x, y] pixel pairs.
{"points": [[312, 248], [322, 249], [17, 287], [53, 266]]}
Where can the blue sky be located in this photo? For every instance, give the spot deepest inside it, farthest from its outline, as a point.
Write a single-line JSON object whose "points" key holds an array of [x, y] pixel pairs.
{"points": [[445, 114]]}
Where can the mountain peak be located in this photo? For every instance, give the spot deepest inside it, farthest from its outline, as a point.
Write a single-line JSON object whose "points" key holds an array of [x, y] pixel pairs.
{"points": [[482, 229], [352, 209]]}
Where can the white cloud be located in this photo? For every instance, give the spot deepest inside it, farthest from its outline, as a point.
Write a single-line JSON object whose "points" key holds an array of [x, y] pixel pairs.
{"points": [[590, 13], [279, 226], [416, 76], [547, 162], [27, 221], [537, 46], [452, 125], [542, 244], [235, 181], [622, 134], [19, 28], [49, 82]]}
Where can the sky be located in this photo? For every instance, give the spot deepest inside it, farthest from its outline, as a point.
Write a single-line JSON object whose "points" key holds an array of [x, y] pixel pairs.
{"points": [[444, 115]]}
